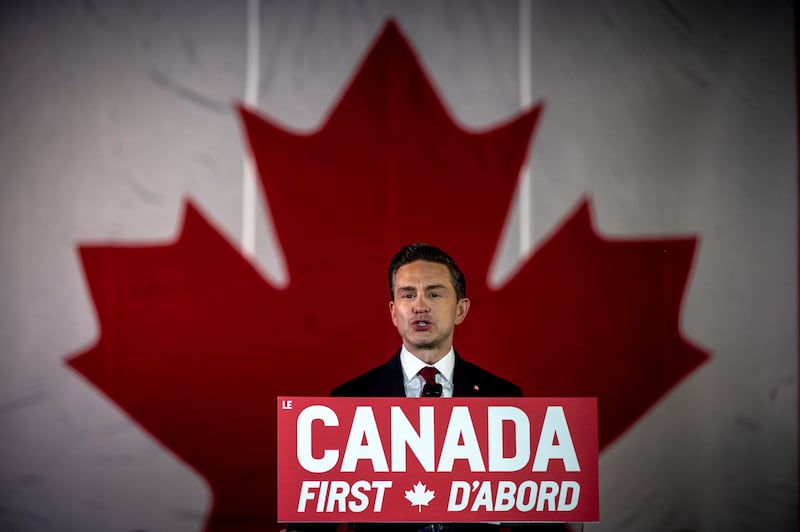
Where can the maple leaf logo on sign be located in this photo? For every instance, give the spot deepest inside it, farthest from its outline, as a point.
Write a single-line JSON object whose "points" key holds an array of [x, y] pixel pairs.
{"points": [[420, 496], [192, 335]]}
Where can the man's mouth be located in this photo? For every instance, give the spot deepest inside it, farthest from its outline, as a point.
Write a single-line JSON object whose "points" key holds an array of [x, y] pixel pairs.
{"points": [[421, 325]]}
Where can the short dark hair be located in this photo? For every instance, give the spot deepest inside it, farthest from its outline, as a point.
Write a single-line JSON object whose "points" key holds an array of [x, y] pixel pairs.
{"points": [[421, 251]]}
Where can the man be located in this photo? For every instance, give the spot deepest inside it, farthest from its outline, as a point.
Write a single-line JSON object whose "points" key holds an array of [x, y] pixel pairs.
{"points": [[428, 300]]}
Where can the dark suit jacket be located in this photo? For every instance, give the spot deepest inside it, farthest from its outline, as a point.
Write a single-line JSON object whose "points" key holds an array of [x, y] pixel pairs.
{"points": [[386, 380], [469, 380]]}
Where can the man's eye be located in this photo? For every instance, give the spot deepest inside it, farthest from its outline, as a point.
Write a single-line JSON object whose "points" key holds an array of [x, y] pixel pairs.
{"points": [[434, 294], [407, 296]]}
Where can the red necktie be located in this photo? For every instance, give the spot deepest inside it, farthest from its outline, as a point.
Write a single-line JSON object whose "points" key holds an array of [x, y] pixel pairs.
{"points": [[431, 389]]}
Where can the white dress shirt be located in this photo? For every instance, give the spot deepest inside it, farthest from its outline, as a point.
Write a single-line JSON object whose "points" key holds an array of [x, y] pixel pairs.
{"points": [[414, 382]]}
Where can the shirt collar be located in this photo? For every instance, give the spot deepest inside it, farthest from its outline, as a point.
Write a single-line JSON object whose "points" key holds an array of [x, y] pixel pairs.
{"points": [[411, 364]]}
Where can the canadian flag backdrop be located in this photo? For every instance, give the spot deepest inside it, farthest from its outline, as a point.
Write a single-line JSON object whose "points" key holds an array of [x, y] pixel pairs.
{"points": [[199, 201]]}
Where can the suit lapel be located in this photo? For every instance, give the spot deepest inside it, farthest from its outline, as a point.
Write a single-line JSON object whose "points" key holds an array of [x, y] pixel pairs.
{"points": [[394, 377], [463, 380]]}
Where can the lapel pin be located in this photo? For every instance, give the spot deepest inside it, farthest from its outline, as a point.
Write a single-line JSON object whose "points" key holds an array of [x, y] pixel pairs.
{"points": [[476, 388]]}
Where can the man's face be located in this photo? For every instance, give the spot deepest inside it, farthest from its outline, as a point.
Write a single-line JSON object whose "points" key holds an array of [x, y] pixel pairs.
{"points": [[425, 309]]}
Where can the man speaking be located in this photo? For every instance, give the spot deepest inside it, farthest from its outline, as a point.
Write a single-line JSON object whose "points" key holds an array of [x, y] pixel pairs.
{"points": [[428, 300]]}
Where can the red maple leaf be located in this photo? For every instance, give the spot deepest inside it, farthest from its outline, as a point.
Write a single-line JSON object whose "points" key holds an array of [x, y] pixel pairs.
{"points": [[195, 345]]}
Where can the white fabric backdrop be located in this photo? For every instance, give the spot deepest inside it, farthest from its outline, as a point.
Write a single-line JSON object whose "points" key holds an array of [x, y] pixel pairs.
{"points": [[677, 118]]}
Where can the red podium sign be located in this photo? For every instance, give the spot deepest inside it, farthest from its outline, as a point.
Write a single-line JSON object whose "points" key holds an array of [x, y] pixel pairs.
{"points": [[437, 460]]}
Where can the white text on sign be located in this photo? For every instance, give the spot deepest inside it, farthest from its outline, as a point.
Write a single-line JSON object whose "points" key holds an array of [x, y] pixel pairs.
{"points": [[460, 442]]}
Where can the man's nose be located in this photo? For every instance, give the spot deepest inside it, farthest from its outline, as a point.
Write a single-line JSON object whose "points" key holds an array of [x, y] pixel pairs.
{"points": [[420, 305]]}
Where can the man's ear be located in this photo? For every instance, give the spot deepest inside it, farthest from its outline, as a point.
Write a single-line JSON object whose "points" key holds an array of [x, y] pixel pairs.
{"points": [[462, 307], [391, 312]]}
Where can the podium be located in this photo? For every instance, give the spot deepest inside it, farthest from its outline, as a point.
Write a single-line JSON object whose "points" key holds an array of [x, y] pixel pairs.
{"points": [[437, 460]]}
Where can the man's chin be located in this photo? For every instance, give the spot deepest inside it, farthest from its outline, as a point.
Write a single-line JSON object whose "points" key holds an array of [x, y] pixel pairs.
{"points": [[426, 345], [428, 352]]}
